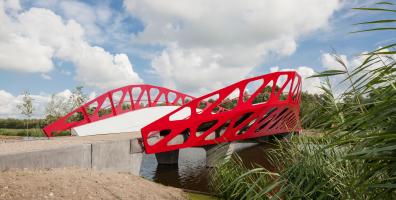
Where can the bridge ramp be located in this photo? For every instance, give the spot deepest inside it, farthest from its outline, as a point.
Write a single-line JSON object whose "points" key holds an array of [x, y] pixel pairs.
{"points": [[124, 123]]}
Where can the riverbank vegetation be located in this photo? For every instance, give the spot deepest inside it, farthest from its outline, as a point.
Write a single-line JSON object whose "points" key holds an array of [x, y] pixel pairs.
{"points": [[355, 158]]}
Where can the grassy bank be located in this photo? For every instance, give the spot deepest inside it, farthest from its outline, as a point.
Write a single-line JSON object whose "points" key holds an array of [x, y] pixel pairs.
{"points": [[195, 196], [32, 132], [305, 167]]}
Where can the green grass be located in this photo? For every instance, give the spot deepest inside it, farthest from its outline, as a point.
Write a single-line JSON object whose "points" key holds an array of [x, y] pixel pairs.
{"points": [[33, 132], [195, 196]]}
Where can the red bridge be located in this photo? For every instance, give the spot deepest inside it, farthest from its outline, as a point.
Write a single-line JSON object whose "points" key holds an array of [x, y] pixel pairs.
{"points": [[255, 107]]}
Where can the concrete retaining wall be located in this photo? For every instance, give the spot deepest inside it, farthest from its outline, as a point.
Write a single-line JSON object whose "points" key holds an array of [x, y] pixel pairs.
{"points": [[116, 155], [103, 155], [76, 155]]}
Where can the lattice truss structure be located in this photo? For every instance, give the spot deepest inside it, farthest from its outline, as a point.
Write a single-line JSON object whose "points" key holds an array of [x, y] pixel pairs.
{"points": [[255, 107], [272, 108], [116, 102]]}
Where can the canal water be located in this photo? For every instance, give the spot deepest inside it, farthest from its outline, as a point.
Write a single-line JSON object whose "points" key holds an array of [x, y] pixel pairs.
{"points": [[191, 173]]}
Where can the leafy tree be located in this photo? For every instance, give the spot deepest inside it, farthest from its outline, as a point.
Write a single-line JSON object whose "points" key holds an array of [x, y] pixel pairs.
{"points": [[60, 106], [26, 108], [77, 98]]}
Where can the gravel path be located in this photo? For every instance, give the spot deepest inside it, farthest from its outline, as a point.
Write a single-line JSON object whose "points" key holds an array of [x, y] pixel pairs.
{"points": [[73, 183]]}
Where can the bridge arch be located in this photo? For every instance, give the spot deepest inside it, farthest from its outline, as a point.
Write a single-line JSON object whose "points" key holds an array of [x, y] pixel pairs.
{"points": [[116, 102]]}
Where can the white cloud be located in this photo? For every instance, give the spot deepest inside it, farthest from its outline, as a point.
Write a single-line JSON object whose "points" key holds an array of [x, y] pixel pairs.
{"points": [[12, 5], [341, 83], [329, 61], [212, 43], [9, 102], [31, 39], [310, 85], [87, 16], [46, 76], [65, 72], [7, 105], [194, 71]]}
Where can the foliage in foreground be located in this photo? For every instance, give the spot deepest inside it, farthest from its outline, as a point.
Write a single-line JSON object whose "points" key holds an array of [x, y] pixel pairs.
{"points": [[356, 159], [306, 169]]}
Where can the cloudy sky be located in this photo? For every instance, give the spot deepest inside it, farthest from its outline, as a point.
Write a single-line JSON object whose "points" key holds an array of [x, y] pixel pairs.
{"points": [[51, 46]]}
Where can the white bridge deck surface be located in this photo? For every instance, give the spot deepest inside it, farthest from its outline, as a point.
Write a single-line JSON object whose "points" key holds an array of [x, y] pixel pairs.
{"points": [[124, 123]]}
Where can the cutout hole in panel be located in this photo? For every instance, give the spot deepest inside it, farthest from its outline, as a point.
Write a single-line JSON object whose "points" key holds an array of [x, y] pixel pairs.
{"points": [[264, 94], [161, 101], [165, 132], [280, 82], [117, 96], [285, 92], [75, 117], [282, 112], [181, 114], [263, 126], [187, 100], [278, 118], [105, 109], [153, 94], [245, 128], [268, 114], [91, 108], [179, 102], [185, 134], [206, 125], [295, 87], [218, 132], [144, 100], [205, 103], [242, 118], [251, 88], [180, 138], [136, 93], [171, 97], [154, 137], [230, 102], [126, 104]]}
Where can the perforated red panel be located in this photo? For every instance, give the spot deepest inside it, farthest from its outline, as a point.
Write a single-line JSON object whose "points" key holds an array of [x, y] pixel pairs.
{"points": [[201, 123], [115, 102]]}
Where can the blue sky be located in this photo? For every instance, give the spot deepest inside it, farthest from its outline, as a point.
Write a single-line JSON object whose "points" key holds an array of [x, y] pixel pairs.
{"points": [[50, 47]]}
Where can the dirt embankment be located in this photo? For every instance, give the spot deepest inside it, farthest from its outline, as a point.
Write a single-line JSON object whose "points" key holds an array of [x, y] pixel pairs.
{"points": [[71, 183]]}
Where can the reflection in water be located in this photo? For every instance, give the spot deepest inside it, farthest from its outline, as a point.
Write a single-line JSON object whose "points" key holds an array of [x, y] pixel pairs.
{"points": [[257, 156], [191, 172]]}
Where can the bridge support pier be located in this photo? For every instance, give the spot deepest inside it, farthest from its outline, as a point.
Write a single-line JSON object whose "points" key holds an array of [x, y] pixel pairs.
{"points": [[216, 154], [168, 158], [262, 139]]}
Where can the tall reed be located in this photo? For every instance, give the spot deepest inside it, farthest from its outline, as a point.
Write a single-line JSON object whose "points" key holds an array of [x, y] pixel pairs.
{"points": [[355, 158]]}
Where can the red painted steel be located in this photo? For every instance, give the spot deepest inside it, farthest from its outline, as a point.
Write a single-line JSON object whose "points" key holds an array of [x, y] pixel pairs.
{"points": [[201, 123], [115, 102]]}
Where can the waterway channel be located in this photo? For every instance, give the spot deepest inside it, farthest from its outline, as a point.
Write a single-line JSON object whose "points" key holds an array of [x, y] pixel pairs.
{"points": [[191, 173]]}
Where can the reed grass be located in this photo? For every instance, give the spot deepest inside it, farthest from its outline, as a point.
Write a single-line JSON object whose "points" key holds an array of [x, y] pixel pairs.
{"points": [[355, 158]]}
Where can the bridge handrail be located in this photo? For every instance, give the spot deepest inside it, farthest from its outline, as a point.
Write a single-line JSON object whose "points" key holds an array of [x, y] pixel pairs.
{"points": [[85, 116], [245, 120]]}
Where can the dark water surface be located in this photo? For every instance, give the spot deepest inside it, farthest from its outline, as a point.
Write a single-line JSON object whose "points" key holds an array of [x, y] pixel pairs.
{"points": [[191, 172]]}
